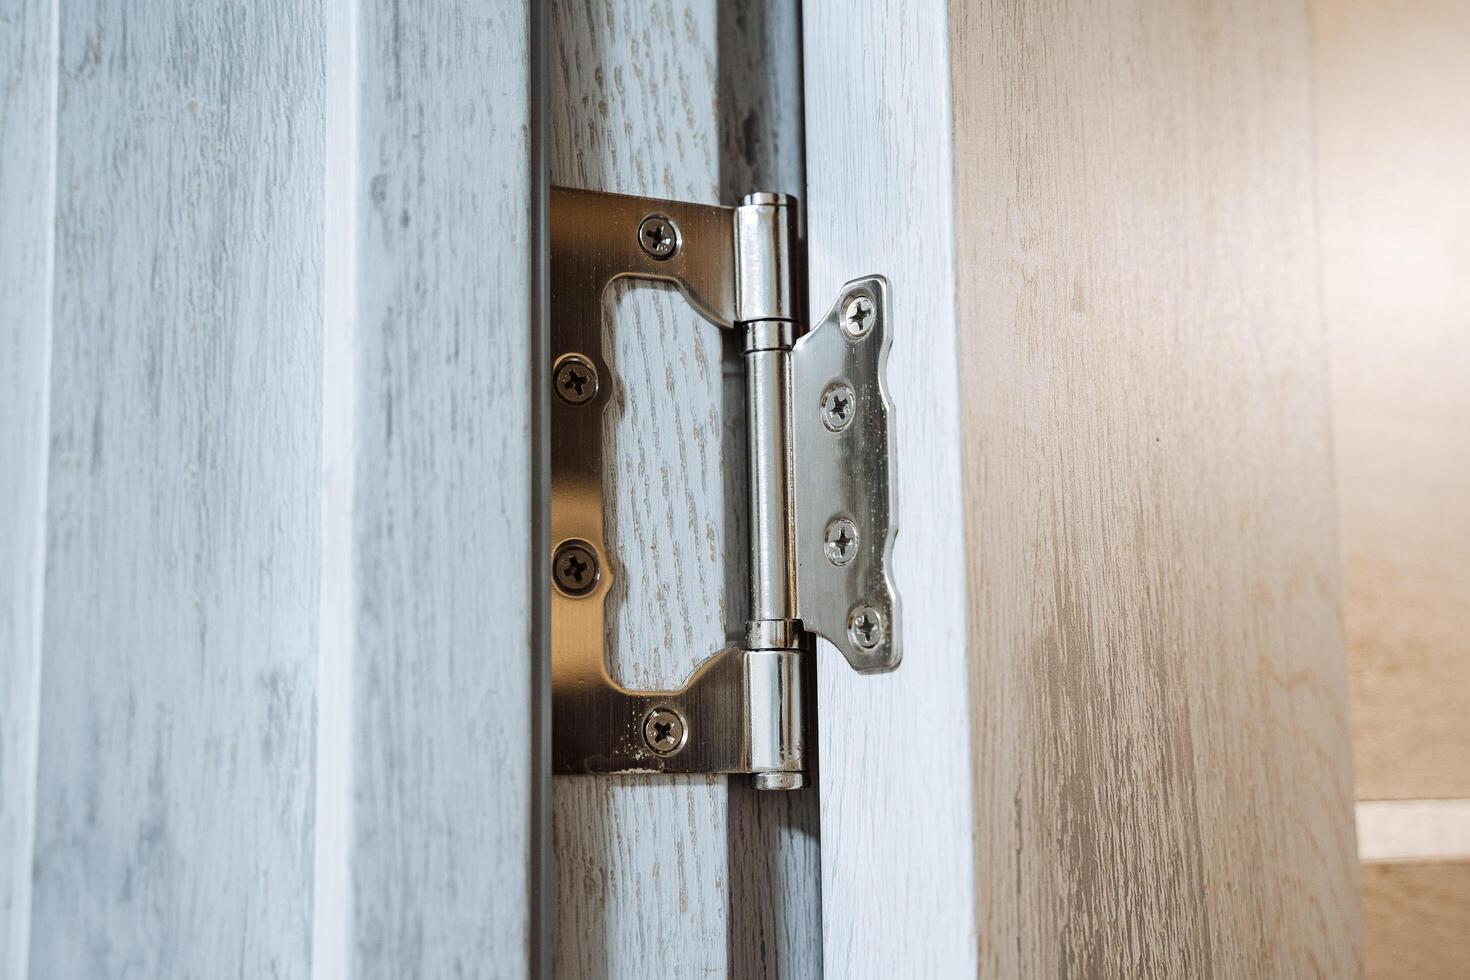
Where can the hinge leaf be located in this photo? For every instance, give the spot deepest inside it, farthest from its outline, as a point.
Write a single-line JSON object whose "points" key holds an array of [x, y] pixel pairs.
{"points": [[842, 437]]}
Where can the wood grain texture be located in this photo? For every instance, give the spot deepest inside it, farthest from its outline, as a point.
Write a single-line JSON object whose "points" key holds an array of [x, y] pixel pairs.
{"points": [[1163, 778], [1415, 919], [427, 644], [675, 876], [897, 855], [174, 800], [27, 137], [1393, 149]]}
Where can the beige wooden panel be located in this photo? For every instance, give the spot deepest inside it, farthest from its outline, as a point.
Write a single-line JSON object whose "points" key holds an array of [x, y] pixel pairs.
{"points": [[1416, 917], [677, 875], [1393, 140], [1163, 782]]}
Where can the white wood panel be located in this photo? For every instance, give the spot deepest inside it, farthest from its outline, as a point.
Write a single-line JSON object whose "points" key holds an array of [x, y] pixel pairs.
{"points": [[677, 876], [897, 862], [174, 800], [1163, 775], [424, 823], [27, 135]]}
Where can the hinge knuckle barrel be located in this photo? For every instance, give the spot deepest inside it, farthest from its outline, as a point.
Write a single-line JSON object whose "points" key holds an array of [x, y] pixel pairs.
{"points": [[765, 280], [777, 742], [766, 309]]}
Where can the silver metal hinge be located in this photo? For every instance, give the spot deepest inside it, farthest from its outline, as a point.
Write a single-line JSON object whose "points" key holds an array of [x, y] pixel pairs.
{"points": [[821, 499]]}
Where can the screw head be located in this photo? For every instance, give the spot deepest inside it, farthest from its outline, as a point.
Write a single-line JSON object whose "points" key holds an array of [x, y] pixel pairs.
{"points": [[839, 405], [841, 542], [575, 379], [858, 314], [865, 626], [664, 730], [658, 236], [574, 568]]}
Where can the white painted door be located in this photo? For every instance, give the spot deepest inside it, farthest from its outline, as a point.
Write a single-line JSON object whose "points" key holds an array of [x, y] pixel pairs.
{"points": [[267, 644]]}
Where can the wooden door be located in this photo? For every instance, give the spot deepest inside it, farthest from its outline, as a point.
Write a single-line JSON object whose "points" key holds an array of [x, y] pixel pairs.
{"points": [[1159, 777], [1163, 774]]}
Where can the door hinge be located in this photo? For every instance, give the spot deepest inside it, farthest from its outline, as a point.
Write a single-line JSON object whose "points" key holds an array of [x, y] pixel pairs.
{"points": [[821, 497]]}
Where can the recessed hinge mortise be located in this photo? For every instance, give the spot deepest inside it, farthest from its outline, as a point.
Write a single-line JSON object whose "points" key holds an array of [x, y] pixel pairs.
{"points": [[821, 498]]}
